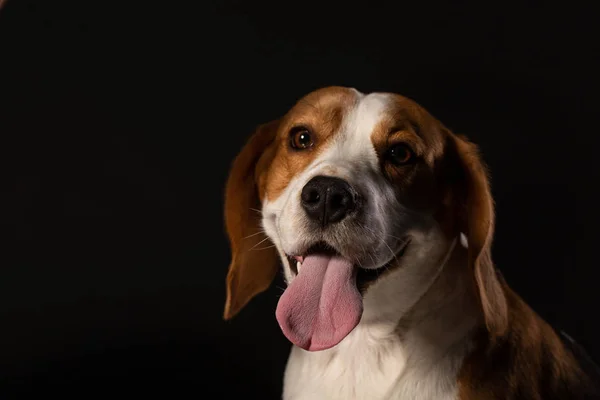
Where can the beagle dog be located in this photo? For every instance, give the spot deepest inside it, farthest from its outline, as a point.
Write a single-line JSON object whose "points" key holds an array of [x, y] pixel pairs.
{"points": [[383, 221]]}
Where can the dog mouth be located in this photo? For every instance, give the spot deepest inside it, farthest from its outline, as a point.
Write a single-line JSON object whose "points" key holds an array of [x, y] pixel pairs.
{"points": [[364, 276], [324, 301], [317, 248]]}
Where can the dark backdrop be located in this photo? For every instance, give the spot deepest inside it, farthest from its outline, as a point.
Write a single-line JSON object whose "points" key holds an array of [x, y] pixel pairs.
{"points": [[119, 121]]}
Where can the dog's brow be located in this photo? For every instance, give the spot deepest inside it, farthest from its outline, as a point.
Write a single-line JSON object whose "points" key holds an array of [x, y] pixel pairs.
{"points": [[404, 123], [305, 101]]}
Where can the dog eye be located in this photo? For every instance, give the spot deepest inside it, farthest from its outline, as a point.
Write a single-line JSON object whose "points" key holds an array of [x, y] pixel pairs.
{"points": [[301, 139], [400, 154]]}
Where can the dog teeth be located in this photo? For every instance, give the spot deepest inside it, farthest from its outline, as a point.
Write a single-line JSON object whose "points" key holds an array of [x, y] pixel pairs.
{"points": [[298, 265]]}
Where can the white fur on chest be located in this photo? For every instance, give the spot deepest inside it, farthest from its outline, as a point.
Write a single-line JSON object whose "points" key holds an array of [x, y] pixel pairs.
{"points": [[366, 365], [360, 367]]}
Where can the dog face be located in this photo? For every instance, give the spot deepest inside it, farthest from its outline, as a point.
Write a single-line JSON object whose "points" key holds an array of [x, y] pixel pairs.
{"points": [[353, 174], [351, 187]]}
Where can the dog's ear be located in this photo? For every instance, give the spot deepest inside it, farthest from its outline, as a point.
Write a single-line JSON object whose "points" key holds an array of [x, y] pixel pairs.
{"points": [[476, 221], [254, 260]]}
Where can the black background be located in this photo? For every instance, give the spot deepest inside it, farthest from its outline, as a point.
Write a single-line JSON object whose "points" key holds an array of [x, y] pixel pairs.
{"points": [[119, 121]]}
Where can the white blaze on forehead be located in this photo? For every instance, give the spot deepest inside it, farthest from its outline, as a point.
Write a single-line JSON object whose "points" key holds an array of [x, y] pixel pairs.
{"points": [[368, 112], [353, 141]]}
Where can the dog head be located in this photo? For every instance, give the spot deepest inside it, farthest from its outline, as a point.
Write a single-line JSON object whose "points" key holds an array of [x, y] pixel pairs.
{"points": [[346, 189]]}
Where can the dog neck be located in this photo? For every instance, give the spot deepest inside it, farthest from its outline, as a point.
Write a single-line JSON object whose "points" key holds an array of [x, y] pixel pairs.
{"points": [[419, 302]]}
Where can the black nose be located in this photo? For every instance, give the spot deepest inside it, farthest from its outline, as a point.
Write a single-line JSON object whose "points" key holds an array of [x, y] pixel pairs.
{"points": [[327, 199]]}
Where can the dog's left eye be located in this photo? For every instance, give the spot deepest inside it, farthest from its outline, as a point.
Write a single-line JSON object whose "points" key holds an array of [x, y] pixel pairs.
{"points": [[400, 154], [300, 138]]}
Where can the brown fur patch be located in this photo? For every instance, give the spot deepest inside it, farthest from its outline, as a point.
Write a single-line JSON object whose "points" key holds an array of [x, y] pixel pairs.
{"points": [[322, 112], [528, 363], [407, 122]]}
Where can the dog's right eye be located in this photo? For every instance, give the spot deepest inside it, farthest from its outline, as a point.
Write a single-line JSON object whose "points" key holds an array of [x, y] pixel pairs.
{"points": [[400, 154], [301, 138]]}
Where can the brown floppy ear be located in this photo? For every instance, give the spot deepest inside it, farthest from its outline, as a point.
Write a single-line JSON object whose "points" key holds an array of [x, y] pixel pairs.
{"points": [[254, 260], [477, 223]]}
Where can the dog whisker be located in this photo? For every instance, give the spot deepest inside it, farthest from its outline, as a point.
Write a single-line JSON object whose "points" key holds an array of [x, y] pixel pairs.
{"points": [[391, 251], [262, 241], [263, 248], [358, 261], [254, 234], [382, 239], [370, 253], [376, 234]]}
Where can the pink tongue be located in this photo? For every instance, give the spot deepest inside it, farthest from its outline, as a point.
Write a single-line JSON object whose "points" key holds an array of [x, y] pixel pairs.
{"points": [[322, 304]]}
